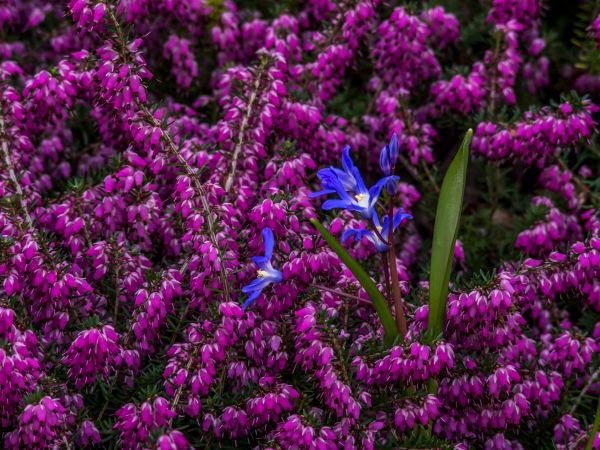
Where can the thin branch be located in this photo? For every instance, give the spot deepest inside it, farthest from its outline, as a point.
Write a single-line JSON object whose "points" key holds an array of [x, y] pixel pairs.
{"points": [[340, 354], [13, 175], [240, 140], [586, 388], [585, 191], [494, 82], [340, 293], [174, 150], [199, 190], [179, 391], [430, 177]]}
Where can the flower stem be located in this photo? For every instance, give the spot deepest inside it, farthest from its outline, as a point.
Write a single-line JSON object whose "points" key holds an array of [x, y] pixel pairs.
{"points": [[400, 318], [386, 275], [12, 175], [200, 191], [340, 293], [243, 126], [588, 385], [430, 176]]}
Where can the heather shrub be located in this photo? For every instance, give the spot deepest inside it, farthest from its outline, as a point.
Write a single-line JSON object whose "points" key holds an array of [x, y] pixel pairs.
{"points": [[220, 222]]}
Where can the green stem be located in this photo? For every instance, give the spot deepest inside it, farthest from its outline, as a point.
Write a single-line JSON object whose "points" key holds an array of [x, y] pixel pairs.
{"points": [[379, 301], [400, 318]]}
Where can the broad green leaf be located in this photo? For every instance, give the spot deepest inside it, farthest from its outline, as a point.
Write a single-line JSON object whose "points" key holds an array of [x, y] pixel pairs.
{"points": [[595, 427], [447, 220], [379, 301]]}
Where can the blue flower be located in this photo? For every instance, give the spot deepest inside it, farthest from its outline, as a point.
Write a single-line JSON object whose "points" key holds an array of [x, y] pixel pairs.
{"points": [[332, 175], [350, 187], [387, 161], [266, 273], [380, 246]]}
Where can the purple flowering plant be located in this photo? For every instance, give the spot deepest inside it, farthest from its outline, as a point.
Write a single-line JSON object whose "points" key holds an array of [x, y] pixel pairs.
{"points": [[241, 224]]}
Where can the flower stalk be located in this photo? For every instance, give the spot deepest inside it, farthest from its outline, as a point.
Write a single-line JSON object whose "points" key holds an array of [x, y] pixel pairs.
{"points": [[398, 304]]}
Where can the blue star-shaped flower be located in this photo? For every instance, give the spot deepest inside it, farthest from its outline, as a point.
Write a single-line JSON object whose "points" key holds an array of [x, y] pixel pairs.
{"points": [[387, 162], [380, 246], [266, 273], [350, 187], [332, 175]]}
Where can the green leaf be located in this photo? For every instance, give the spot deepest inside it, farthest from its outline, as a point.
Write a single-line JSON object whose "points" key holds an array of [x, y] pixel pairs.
{"points": [[595, 427], [447, 220], [379, 301]]}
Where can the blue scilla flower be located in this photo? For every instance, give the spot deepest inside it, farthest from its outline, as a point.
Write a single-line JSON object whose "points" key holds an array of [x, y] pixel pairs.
{"points": [[332, 174], [362, 200], [266, 273], [384, 230], [387, 161], [350, 187]]}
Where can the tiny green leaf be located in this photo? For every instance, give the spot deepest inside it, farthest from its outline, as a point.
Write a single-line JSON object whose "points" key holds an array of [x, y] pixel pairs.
{"points": [[447, 220], [379, 301]]}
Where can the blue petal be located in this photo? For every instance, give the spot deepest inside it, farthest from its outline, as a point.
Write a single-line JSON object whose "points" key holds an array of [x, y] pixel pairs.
{"points": [[257, 284], [380, 246], [276, 276], [376, 190], [269, 242], [361, 188], [357, 233], [393, 149], [348, 182], [336, 181], [376, 220], [323, 192], [391, 187], [400, 216], [260, 261], [333, 204], [328, 172], [384, 161], [250, 299], [347, 163]]}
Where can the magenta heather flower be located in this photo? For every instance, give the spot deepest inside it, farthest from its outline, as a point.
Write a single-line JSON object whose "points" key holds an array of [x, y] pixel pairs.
{"points": [[402, 54], [185, 68], [40, 425], [91, 354], [538, 137], [136, 425], [596, 30]]}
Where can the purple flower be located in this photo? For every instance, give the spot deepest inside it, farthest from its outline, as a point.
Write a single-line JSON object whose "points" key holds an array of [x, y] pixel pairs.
{"points": [[346, 177], [266, 273], [350, 187], [387, 161], [389, 155]]}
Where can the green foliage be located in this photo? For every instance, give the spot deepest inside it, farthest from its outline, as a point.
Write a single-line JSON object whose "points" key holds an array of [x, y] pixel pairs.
{"points": [[447, 221], [379, 301], [419, 438]]}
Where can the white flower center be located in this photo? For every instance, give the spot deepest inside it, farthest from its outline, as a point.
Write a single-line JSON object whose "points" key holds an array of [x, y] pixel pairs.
{"points": [[362, 199], [262, 273]]}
